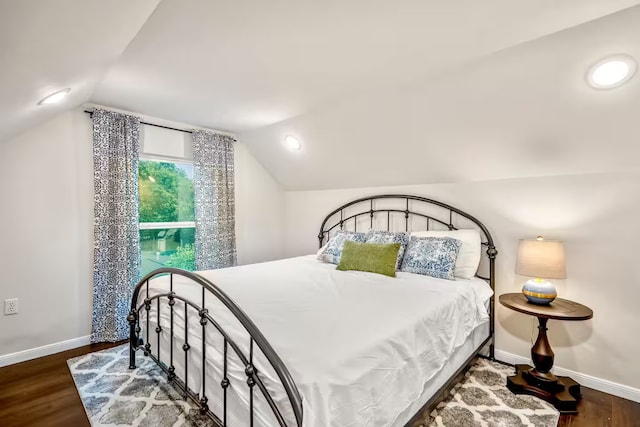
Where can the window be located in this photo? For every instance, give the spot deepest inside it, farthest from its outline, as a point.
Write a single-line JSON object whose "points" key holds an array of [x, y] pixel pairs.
{"points": [[167, 227]]}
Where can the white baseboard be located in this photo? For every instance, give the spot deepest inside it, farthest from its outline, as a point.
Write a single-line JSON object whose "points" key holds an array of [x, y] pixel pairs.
{"points": [[595, 383], [45, 350]]}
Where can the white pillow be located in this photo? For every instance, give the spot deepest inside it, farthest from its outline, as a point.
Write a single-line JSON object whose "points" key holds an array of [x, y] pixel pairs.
{"points": [[469, 256]]}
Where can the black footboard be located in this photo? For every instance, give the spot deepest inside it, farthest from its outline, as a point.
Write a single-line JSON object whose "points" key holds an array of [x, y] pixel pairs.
{"points": [[255, 338]]}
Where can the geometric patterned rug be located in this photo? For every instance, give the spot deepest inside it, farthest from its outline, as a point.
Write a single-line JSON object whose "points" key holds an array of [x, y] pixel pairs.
{"points": [[482, 399], [114, 395]]}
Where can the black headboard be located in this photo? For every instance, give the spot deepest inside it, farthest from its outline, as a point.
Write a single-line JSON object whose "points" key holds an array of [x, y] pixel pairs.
{"points": [[401, 212], [407, 208]]}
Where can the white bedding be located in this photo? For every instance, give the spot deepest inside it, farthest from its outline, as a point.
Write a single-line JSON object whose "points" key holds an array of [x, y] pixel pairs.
{"points": [[361, 347]]}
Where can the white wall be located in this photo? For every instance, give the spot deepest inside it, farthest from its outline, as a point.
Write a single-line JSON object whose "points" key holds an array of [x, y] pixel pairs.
{"points": [[46, 250], [47, 215], [259, 211], [595, 216]]}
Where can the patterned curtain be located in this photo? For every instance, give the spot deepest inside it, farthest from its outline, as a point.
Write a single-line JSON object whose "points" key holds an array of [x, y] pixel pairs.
{"points": [[214, 198], [116, 262]]}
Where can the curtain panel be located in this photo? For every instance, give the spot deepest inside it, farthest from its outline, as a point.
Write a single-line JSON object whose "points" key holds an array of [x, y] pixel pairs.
{"points": [[214, 199], [116, 265]]}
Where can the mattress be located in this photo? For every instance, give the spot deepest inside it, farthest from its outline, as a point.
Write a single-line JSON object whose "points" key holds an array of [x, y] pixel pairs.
{"points": [[363, 349]]}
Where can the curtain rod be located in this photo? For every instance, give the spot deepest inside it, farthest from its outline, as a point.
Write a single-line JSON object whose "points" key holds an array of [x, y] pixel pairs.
{"points": [[90, 113]]}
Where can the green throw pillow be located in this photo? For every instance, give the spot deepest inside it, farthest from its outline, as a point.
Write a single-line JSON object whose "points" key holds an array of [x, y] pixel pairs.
{"points": [[372, 257]]}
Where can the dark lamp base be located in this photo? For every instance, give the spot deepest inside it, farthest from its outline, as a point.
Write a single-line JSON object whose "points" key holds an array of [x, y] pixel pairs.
{"points": [[561, 392]]}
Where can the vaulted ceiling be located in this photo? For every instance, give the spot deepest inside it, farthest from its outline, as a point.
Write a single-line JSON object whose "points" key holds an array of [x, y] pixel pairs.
{"points": [[379, 93], [525, 111], [49, 45]]}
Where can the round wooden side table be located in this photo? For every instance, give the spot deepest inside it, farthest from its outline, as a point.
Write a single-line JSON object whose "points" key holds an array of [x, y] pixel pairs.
{"points": [[562, 392]]}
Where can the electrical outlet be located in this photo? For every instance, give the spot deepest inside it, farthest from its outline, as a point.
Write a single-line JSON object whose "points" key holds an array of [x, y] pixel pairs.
{"points": [[11, 306]]}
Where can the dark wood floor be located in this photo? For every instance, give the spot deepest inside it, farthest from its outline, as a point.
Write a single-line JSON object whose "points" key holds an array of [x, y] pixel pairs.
{"points": [[603, 410], [41, 393]]}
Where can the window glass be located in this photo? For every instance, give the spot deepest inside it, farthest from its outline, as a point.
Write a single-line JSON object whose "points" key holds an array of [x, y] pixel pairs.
{"points": [[167, 229], [165, 191], [167, 247]]}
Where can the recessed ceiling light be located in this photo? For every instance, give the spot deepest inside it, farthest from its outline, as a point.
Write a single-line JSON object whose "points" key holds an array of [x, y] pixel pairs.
{"points": [[55, 97], [292, 143], [611, 72]]}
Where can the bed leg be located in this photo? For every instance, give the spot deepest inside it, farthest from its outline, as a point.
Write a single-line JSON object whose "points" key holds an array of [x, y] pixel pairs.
{"points": [[492, 351], [132, 318]]}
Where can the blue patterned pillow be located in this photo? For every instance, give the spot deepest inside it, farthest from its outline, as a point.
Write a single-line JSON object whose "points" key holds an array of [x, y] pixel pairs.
{"points": [[431, 256], [333, 251], [376, 236]]}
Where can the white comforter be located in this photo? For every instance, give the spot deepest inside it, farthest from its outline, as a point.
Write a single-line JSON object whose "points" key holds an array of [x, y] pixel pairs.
{"points": [[360, 346]]}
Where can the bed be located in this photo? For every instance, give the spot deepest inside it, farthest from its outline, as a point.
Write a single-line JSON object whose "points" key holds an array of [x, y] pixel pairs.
{"points": [[295, 342]]}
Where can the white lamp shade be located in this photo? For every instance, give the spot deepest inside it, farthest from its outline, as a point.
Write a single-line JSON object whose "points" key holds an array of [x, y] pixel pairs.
{"points": [[541, 258]]}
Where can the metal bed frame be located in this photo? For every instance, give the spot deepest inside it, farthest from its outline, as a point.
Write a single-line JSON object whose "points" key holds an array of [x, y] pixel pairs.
{"points": [[339, 218]]}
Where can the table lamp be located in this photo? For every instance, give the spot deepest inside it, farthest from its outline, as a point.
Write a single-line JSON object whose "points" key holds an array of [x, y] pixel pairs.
{"points": [[542, 259]]}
